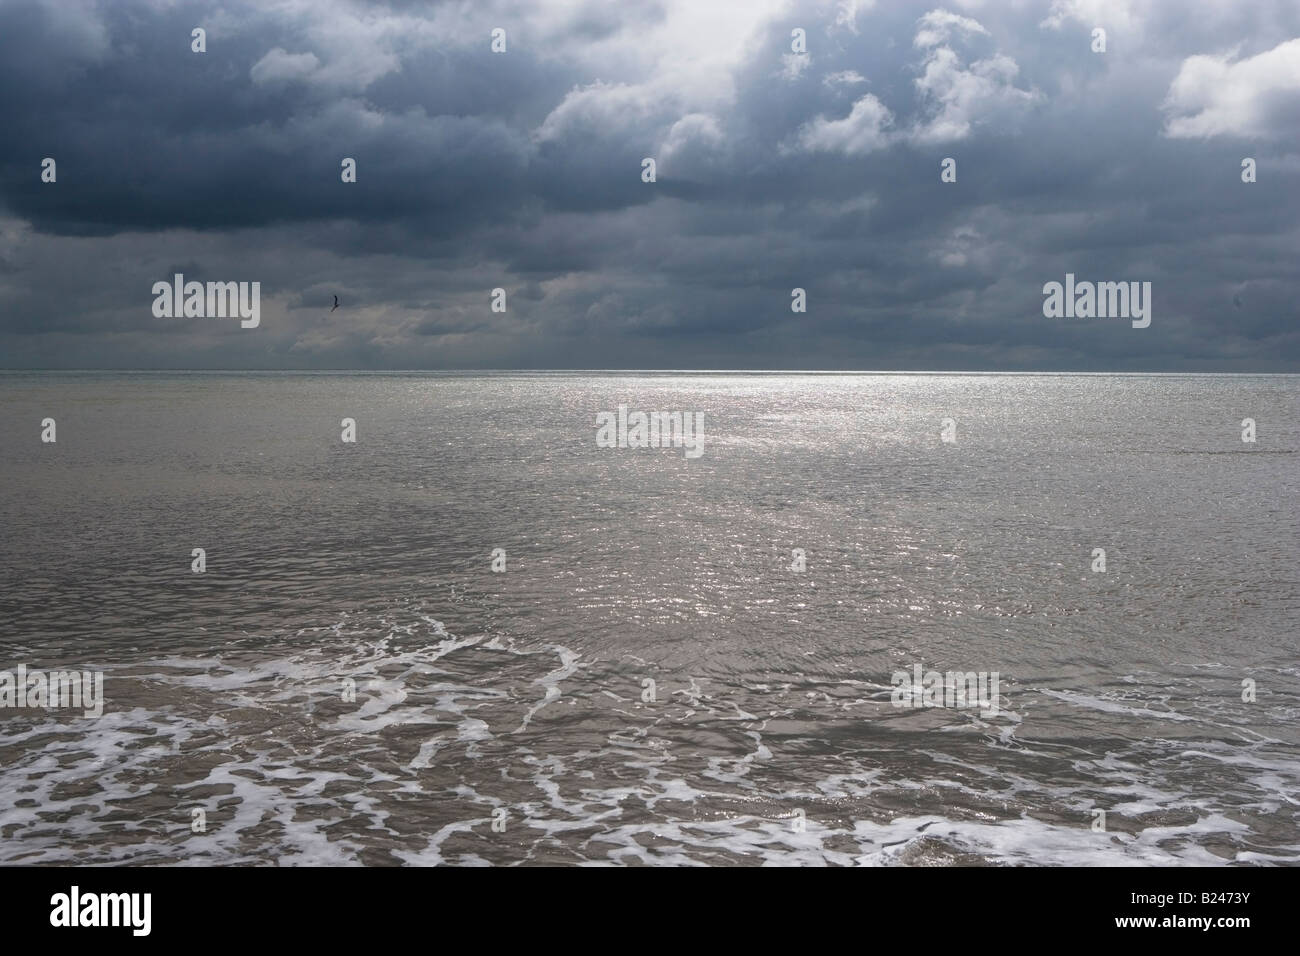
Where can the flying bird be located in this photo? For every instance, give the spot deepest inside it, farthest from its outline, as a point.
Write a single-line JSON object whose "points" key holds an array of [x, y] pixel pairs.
{"points": [[336, 303]]}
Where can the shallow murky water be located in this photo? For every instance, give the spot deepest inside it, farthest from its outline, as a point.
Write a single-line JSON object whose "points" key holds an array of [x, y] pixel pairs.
{"points": [[771, 736]]}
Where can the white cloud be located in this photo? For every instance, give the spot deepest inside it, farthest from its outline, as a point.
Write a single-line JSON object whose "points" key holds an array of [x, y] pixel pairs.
{"points": [[937, 27], [608, 108], [1214, 96], [347, 47], [689, 143], [846, 14], [962, 96], [1117, 15], [844, 78], [794, 64], [864, 130], [657, 71], [961, 247], [693, 48], [281, 66], [955, 96]]}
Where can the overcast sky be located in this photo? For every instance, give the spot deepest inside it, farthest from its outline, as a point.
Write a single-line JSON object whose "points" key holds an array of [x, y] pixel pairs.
{"points": [[775, 170]]}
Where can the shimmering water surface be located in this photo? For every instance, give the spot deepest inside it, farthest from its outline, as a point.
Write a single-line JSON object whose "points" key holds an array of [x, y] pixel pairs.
{"points": [[772, 738]]}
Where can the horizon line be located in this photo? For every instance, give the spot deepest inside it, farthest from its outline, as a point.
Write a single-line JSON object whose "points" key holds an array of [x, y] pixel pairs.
{"points": [[672, 371]]}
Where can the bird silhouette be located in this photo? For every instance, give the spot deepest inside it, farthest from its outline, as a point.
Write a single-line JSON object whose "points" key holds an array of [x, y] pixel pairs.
{"points": [[336, 303]]}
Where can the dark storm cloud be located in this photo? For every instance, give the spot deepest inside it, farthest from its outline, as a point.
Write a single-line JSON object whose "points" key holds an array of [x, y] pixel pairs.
{"points": [[523, 171]]}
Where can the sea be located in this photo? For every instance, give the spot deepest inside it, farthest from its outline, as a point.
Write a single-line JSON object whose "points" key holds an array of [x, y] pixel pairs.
{"points": [[476, 635]]}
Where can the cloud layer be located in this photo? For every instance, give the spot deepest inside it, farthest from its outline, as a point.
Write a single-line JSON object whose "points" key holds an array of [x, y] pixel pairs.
{"points": [[775, 169]]}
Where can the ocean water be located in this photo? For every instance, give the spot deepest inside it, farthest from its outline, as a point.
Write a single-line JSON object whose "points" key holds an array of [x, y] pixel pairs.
{"points": [[522, 696]]}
